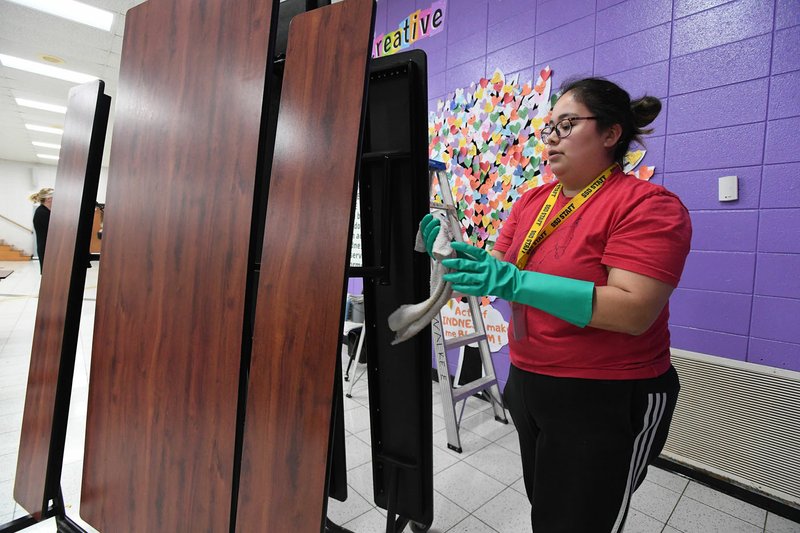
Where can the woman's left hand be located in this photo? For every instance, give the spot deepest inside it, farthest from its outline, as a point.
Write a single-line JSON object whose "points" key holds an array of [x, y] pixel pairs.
{"points": [[477, 273]]}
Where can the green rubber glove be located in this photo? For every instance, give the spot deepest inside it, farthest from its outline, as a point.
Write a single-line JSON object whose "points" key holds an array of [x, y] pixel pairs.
{"points": [[430, 227], [479, 274]]}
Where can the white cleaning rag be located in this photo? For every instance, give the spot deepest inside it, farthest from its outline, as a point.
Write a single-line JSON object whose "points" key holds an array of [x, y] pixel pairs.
{"points": [[408, 320]]}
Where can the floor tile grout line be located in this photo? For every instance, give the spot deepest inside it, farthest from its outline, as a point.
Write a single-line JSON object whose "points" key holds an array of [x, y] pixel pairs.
{"points": [[506, 485], [722, 510], [362, 514], [451, 501], [666, 523], [14, 327]]}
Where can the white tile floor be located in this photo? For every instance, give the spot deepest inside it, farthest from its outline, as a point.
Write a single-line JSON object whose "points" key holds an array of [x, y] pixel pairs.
{"points": [[478, 491]]}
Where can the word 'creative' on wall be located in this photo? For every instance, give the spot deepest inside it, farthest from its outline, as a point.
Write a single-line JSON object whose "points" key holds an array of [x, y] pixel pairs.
{"points": [[418, 25]]}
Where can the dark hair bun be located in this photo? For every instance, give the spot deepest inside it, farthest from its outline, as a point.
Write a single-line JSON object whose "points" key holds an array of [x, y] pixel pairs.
{"points": [[645, 110]]}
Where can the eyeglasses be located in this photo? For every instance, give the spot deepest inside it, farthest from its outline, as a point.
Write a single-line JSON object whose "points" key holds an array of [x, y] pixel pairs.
{"points": [[562, 128]]}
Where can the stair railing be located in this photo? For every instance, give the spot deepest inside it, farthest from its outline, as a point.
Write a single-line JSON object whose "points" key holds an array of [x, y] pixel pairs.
{"points": [[29, 230]]}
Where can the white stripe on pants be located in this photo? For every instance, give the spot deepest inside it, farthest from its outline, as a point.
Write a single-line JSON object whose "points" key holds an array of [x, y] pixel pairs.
{"points": [[656, 403]]}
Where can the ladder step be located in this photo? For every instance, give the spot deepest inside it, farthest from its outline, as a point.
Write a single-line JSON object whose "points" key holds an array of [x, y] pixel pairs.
{"points": [[474, 386], [444, 207], [458, 342]]}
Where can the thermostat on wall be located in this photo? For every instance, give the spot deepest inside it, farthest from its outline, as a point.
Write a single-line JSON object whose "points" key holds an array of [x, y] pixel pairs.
{"points": [[728, 188]]}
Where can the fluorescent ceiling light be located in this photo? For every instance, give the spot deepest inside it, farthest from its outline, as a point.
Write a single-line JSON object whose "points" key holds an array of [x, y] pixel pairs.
{"points": [[44, 129], [72, 10], [48, 156], [41, 105], [46, 145], [45, 70]]}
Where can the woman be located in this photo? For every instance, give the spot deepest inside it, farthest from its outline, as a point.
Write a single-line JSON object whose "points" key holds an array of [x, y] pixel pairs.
{"points": [[589, 264], [41, 220]]}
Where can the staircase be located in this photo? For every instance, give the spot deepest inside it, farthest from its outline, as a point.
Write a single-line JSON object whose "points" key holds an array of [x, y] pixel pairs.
{"points": [[9, 253]]}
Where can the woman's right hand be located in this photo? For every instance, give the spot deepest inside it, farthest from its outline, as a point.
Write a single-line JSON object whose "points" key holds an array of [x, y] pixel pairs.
{"points": [[430, 227]]}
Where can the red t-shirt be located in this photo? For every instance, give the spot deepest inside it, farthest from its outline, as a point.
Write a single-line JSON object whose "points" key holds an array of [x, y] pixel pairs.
{"points": [[629, 224]]}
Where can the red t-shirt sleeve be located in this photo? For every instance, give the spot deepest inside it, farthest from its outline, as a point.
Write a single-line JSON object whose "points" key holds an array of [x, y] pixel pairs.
{"points": [[652, 239]]}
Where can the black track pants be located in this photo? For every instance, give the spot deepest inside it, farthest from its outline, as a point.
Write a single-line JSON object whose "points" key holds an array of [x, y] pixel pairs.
{"points": [[586, 445]]}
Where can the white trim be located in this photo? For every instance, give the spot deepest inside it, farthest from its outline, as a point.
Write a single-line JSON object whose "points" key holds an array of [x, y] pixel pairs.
{"points": [[648, 436], [632, 467], [661, 409], [739, 481], [735, 363], [652, 418]]}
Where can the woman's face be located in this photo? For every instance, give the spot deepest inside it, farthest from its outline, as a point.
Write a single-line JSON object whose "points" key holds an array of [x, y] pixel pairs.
{"points": [[48, 202], [584, 147]]}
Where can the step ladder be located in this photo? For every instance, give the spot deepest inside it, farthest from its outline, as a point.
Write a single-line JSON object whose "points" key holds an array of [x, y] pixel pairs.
{"points": [[488, 382], [361, 368]]}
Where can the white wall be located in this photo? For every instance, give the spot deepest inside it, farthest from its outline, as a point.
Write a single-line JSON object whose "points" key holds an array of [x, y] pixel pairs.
{"points": [[17, 181], [101, 187]]}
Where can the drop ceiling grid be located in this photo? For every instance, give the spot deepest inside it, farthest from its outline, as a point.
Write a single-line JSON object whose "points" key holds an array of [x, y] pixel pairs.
{"points": [[28, 34]]}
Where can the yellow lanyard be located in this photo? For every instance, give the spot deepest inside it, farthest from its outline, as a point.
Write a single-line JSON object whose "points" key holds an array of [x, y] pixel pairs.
{"points": [[539, 232]]}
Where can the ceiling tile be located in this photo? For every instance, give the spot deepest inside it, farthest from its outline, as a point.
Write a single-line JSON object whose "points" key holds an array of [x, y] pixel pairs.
{"points": [[28, 33]]}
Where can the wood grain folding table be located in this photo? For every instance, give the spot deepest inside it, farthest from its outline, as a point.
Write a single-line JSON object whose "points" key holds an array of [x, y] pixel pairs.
{"points": [[163, 388], [306, 250], [55, 337]]}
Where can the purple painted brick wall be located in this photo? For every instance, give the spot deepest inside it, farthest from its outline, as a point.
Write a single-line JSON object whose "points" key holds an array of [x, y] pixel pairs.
{"points": [[684, 8], [782, 144], [787, 14], [784, 50], [776, 275], [650, 79], [551, 45], [740, 103], [715, 148], [739, 61], [698, 188], [719, 271], [622, 54], [728, 73], [709, 341], [630, 17], [727, 24], [725, 312], [778, 231], [730, 231], [780, 186]]}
